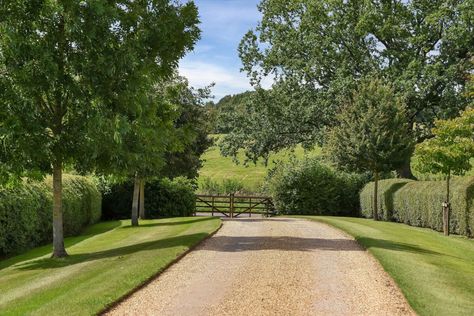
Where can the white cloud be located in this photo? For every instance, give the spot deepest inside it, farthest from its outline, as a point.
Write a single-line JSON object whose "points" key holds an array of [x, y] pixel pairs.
{"points": [[228, 80]]}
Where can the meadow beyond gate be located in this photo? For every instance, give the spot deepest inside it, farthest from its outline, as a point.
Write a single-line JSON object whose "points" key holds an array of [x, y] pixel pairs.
{"points": [[234, 205]]}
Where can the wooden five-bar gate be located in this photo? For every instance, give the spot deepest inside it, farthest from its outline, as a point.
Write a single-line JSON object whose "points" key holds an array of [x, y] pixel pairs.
{"points": [[234, 205]]}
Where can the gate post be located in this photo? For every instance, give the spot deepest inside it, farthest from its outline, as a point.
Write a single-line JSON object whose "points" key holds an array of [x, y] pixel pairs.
{"points": [[232, 205], [250, 207], [212, 210]]}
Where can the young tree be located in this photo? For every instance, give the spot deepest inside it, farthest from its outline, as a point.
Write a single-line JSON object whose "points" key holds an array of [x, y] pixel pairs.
{"points": [[68, 66], [371, 133], [166, 138], [318, 50], [449, 152]]}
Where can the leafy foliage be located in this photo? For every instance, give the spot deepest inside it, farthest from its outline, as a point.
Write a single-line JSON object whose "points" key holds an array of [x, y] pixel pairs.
{"points": [[451, 148], [309, 187], [164, 198], [75, 75], [172, 198], [25, 212], [192, 130], [66, 65], [228, 108], [372, 132], [224, 187], [318, 50]]}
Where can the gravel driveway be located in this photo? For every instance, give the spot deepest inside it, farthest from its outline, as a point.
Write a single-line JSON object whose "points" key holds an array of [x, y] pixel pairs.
{"points": [[277, 266]]}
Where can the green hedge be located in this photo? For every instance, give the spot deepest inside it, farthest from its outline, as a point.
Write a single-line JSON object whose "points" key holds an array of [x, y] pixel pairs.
{"points": [[26, 212], [311, 188], [418, 203], [386, 189], [163, 198]]}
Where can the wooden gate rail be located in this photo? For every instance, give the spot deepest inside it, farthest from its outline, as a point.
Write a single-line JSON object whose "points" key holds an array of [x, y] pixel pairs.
{"points": [[234, 205]]}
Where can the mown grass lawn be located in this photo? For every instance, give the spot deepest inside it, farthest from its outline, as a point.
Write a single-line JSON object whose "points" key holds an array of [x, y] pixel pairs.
{"points": [[435, 273], [105, 263]]}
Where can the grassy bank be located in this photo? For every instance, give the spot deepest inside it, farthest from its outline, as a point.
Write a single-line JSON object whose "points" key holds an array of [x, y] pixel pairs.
{"points": [[252, 176], [435, 273], [105, 262]]}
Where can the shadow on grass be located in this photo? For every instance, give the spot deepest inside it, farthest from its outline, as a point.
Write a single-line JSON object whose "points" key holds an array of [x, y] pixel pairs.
{"points": [[89, 232], [397, 246], [117, 253], [190, 221]]}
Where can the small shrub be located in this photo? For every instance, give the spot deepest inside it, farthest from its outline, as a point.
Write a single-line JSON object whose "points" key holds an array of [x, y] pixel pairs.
{"points": [[163, 198], [209, 186], [232, 186], [309, 187], [227, 186], [26, 212]]}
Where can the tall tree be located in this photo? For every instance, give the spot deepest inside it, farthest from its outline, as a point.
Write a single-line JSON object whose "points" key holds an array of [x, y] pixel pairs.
{"points": [[192, 126], [449, 152], [371, 133], [318, 50], [66, 66], [166, 139]]}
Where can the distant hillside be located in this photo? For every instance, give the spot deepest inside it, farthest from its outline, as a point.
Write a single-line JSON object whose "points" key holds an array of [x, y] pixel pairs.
{"points": [[234, 100], [252, 176]]}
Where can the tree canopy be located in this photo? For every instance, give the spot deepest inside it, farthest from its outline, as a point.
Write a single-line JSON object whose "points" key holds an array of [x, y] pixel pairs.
{"points": [[192, 127], [317, 51], [68, 66], [451, 149], [449, 152], [371, 133]]}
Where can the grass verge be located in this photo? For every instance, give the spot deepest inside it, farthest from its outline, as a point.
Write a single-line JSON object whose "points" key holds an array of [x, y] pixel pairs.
{"points": [[434, 272], [105, 263]]}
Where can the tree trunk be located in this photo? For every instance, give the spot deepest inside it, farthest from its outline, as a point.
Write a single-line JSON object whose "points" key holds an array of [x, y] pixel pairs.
{"points": [[446, 207], [142, 199], [136, 196], [58, 233], [405, 171], [376, 204]]}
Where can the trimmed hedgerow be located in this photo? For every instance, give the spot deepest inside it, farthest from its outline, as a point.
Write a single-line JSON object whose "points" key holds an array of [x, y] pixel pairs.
{"points": [[418, 203], [170, 198], [163, 198], [311, 188], [386, 189], [26, 212]]}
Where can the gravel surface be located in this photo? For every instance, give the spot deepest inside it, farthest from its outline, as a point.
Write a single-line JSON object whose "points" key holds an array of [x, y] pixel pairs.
{"points": [[277, 266]]}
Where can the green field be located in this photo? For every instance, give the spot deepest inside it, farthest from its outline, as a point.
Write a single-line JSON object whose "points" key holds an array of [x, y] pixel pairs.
{"points": [[252, 176], [434, 272], [218, 168], [107, 261]]}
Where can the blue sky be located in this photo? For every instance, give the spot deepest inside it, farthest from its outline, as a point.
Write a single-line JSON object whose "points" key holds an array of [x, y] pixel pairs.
{"points": [[215, 57]]}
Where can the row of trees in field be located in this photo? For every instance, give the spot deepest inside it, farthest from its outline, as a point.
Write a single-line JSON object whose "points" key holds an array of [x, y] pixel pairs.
{"points": [[92, 86]]}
